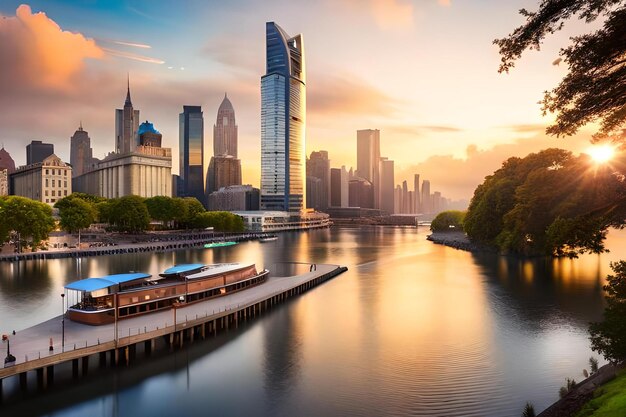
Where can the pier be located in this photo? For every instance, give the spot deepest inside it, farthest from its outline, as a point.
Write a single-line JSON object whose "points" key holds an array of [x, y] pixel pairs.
{"points": [[39, 349]]}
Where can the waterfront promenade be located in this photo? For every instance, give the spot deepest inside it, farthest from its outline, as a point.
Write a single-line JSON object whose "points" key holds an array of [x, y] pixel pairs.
{"points": [[31, 346]]}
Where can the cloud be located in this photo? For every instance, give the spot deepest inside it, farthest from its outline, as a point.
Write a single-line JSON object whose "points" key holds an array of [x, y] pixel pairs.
{"points": [[336, 95], [420, 130], [35, 51], [446, 3], [461, 176], [526, 128], [124, 43], [392, 14], [133, 56]]}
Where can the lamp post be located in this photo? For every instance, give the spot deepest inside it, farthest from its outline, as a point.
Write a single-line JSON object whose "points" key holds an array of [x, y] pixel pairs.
{"points": [[62, 322]]}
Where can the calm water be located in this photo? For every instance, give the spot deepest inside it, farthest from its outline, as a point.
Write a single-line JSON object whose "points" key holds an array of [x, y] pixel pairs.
{"points": [[412, 328]]}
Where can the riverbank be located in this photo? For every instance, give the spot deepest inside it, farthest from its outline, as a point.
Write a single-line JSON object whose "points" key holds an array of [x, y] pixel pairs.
{"points": [[581, 397], [115, 243], [457, 240]]}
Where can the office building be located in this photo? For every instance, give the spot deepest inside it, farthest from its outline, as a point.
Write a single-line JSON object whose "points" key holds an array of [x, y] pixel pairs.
{"points": [[81, 154], [283, 121], [223, 171], [386, 185], [361, 193], [191, 148], [47, 181], [235, 198], [368, 159], [426, 197], [149, 136], [313, 192], [417, 203], [318, 166], [225, 130], [126, 126], [6, 162], [37, 151]]}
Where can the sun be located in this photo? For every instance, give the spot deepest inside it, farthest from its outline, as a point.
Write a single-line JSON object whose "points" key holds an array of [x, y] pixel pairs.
{"points": [[601, 153]]}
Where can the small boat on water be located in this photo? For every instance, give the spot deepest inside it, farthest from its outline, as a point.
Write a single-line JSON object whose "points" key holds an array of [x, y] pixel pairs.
{"points": [[101, 300], [218, 244], [268, 239]]}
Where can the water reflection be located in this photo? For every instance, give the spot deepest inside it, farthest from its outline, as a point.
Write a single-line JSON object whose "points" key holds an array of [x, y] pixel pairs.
{"points": [[411, 328]]}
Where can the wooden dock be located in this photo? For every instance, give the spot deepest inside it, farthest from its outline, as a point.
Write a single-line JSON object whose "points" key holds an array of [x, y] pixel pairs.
{"points": [[31, 346]]}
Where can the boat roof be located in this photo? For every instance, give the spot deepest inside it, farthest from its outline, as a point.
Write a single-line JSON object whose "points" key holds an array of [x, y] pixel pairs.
{"points": [[219, 269], [94, 284], [177, 269]]}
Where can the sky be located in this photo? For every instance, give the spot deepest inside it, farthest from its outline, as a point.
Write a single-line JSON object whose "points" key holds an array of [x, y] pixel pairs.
{"points": [[424, 72]]}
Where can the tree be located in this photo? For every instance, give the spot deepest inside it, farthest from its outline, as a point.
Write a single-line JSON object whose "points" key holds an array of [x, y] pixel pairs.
{"points": [[608, 337], [75, 214], [128, 214], [447, 221], [31, 219], [594, 89], [221, 221], [187, 210], [529, 410], [162, 208]]}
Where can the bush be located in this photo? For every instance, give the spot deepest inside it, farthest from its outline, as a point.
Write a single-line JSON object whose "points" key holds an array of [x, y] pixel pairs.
{"points": [[447, 221]]}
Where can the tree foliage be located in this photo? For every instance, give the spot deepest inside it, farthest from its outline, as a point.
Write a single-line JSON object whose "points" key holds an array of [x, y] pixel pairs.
{"points": [[447, 221], [162, 208], [31, 219], [608, 337], [221, 221], [76, 213], [594, 90], [127, 214], [548, 203]]}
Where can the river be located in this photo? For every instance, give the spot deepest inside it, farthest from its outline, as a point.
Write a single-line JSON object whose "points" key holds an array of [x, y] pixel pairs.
{"points": [[413, 328]]}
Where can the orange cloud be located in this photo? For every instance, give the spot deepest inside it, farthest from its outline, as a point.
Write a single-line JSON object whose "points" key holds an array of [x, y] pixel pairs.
{"points": [[35, 51], [392, 14]]}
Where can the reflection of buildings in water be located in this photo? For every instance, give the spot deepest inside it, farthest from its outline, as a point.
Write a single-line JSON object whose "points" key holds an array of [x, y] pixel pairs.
{"points": [[281, 354]]}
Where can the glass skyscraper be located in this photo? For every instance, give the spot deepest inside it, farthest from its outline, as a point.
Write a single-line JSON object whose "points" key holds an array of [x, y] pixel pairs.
{"points": [[191, 146], [283, 121]]}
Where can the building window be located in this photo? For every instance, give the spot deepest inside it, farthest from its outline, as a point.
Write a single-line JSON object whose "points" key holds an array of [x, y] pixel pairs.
{"points": [[47, 172], [65, 183], [47, 182], [65, 193], [53, 193], [46, 193]]}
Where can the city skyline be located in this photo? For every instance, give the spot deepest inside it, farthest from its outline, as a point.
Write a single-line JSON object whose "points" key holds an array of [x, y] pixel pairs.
{"points": [[432, 108]]}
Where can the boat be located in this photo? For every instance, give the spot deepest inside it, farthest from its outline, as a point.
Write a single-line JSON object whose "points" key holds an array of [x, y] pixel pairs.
{"points": [[268, 239], [218, 244], [103, 300]]}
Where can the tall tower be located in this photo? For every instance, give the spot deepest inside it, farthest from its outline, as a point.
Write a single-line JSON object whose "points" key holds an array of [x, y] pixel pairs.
{"points": [[225, 130], [126, 126], [417, 203], [283, 121], [37, 151], [81, 154], [386, 185], [191, 146], [426, 197], [368, 159]]}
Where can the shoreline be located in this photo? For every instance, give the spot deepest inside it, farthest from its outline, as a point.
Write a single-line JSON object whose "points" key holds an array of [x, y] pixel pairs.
{"points": [[154, 243], [458, 240]]}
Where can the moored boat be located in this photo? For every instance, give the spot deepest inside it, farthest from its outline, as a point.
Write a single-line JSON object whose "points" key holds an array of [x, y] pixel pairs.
{"points": [[218, 244], [268, 239], [102, 300]]}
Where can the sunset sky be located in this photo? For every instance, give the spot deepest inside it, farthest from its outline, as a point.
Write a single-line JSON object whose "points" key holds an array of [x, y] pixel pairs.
{"points": [[424, 72]]}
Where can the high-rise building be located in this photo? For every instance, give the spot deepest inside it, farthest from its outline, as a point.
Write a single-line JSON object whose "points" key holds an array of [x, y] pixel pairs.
{"points": [[416, 194], [339, 190], [318, 166], [224, 169], [149, 136], [191, 147], [225, 130], [386, 185], [345, 194], [126, 126], [437, 202], [361, 193], [81, 154], [406, 204], [283, 121], [368, 159], [46, 181], [37, 151], [313, 192], [397, 199], [6, 162], [235, 198], [426, 198]]}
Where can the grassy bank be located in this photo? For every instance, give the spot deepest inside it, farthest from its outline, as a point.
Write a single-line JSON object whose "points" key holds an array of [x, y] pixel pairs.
{"points": [[609, 400]]}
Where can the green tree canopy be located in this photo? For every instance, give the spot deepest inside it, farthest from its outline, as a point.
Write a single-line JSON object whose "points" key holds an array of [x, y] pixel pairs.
{"points": [[447, 221], [548, 203], [594, 90], [221, 221], [75, 213], [609, 336], [127, 214], [162, 208], [31, 219]]}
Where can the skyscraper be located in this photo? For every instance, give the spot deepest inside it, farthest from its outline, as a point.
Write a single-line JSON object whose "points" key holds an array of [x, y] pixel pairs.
{"points": [[225, 130], [426, 198], [191, 147], [386, 185], [416, 194], [224, 169], [283, 121], [6, 162], [126, 126], [37, 151], [368, 159], [318, 166], [81, 154]]}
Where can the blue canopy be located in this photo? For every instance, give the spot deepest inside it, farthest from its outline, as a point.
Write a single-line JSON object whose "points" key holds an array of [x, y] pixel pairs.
{"points": [[94, 284], [177, 269]]}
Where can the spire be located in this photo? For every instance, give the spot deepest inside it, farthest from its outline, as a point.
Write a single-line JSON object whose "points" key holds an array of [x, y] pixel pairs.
{"points": [[128, 102], [80, 126]]}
